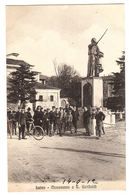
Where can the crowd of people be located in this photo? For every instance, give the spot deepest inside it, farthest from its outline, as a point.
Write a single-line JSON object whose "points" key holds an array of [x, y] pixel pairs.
{"points": [[56, 120], [53, 121]]}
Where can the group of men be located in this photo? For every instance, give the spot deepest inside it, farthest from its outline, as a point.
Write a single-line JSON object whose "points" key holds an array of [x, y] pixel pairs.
{"points": [[55, 120], [98, 115], [16, 122]]}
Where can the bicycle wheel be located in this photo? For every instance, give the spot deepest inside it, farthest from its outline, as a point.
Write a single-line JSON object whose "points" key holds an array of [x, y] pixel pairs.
{"points": [[38, 133]]}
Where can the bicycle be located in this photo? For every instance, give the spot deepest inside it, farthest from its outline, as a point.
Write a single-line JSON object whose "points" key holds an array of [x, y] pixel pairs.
{"points": [[36, 131]]}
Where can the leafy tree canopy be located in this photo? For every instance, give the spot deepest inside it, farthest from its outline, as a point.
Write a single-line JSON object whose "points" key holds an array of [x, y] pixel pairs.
{"points": [[69, 81], [118, 102]]}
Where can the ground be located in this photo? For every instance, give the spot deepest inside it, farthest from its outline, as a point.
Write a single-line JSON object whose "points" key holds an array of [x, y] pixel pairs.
{"points": [[77, 157]]}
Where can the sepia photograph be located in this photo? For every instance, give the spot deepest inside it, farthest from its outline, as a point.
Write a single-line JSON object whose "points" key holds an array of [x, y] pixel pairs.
{"points": [[65, 83]]}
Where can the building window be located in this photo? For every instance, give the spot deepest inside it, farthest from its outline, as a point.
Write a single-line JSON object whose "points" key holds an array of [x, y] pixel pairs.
{"points": [[51, 98], [40, 98]]}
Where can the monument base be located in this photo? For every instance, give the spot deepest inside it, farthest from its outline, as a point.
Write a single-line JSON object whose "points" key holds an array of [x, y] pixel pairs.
{"points": [[92, 91], [92, 96]]}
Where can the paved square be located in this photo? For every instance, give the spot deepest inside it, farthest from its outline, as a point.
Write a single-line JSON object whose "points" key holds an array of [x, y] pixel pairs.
{"points": [[76, 157]]}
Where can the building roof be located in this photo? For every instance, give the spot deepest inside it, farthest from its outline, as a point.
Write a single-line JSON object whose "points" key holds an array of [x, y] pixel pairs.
{"points": [[12, 66], [43, 77], [14, 62], [42, 86]]}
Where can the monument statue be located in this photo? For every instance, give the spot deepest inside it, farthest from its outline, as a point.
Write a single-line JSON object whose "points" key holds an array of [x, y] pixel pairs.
{"points": [[94, 64], [95, 55]]}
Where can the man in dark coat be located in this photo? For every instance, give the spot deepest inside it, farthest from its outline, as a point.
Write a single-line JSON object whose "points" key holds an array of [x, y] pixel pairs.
{"points": [[38, 117], [59, 121], [87, 120], [53, 121], [75, 115], [28, 119], [100, 116], [22, 124], [14, 123], [9, 122], [17, 114], [46, 121]]}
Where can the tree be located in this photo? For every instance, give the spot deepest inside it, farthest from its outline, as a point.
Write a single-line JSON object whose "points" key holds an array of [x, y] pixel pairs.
{"points": [[68, 80], [65, 77], [119, 82], [75, 91], [121, 62], [118, 101], [22, 84]]}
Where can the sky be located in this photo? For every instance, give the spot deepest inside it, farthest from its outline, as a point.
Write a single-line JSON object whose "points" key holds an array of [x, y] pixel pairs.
{"points": [[44, 35]]}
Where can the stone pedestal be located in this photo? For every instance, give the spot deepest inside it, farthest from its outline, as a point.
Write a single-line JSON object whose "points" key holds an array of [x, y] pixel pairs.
{"points": [[92, 95], [94, 86]]}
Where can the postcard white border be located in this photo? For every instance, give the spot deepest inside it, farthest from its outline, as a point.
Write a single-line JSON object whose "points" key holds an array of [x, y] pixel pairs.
{"points": [[3, 140]]}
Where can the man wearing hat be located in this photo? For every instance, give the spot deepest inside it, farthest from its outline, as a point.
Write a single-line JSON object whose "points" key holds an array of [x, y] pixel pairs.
{"points": [[53, 120], [28, 119], [22, 123], [100, 116], [38, 119], [9, 122]]}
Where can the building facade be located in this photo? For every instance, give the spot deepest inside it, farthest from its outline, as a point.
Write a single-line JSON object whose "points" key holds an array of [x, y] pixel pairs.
{"points": [[47, 96]]}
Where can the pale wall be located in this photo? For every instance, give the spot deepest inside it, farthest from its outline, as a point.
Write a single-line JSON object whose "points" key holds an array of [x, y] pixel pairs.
{"points": [[46, 93]]}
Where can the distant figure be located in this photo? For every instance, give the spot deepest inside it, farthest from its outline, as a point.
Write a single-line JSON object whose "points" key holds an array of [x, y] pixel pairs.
{"points": [[69, 120], [22, 124], [100, 116], [17, 117], [94, 65], [59, 121], [53, 122], [28, 119], [75, 115], [38, 116], [9, 122], [87, 120], [46, 121], [64, 120], [14, 123]]}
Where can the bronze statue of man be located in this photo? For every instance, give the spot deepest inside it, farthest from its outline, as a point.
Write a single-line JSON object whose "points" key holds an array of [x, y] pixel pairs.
{"points": [[94, 65]]}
